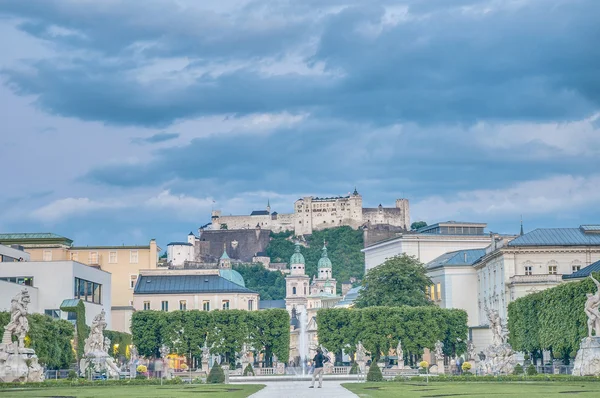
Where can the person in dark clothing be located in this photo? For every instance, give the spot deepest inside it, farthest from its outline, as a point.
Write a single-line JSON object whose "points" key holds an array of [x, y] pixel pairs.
{"points": [[318, 361]]}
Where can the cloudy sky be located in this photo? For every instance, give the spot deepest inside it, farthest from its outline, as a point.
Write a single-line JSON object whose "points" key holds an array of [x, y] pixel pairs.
{"points": [[123, 122]]}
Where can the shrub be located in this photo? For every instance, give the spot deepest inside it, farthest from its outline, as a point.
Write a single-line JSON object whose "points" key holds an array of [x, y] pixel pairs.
{"points": [[140, 376], [354, 369], [466, 367], [142, 369], [518, 369], [424, 364], [72, 375], [216, 375], [374, 373], [249, 370], [531, 370], [184, 366]]}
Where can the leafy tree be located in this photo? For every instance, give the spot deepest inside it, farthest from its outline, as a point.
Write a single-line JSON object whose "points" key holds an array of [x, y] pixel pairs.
{"points": [[269, 284], [228, 332], [374, 373], [185, 331], [146, 328], [119, 341], [269, 331], [418, 224], [400, 280], [338, 329]]}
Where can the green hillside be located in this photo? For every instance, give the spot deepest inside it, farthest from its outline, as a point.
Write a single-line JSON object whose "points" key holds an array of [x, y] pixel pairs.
{"points": [[344, 246]]}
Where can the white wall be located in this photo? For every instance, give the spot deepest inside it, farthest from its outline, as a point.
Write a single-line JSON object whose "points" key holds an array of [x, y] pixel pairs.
{"points": [[8, 290], [424, 247], [459, 289], [54, 281], [14, 253], [178, 254]]}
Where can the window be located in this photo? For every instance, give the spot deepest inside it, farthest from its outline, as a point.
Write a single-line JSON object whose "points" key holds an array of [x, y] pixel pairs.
{"points": [[146, 305], [54, 314], [164, 306], [133, 257], [250, 305], [74, 256], [112, 257], [432, 293], [575, 268], [132, 281], [439, 291], [87, 291], [93, 258], [225, 304], [528, 270], [552, 269], [293, 290], [305, 290], [206, 305], [21, 280], [182, 305], [47, 255]]}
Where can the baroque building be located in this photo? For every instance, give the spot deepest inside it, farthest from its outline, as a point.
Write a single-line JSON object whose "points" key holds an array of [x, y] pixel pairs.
{"points": [[314, 213]]}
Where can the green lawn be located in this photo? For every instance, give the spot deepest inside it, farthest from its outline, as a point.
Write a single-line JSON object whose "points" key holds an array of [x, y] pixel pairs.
{"points": [[203, 390], [457, 390]]}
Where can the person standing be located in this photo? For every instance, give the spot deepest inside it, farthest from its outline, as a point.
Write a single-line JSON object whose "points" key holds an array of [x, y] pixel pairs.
{"points": [[318, 364]]}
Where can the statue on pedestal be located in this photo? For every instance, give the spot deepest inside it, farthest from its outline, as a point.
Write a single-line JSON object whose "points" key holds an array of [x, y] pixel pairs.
{"points": [[439, 350], [17, 363], [471, 350], [499, 356], [96, 355], [400, 355], [587, 361]]}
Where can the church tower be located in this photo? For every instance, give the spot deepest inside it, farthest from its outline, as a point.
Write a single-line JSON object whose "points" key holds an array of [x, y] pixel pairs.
{"points": [[296, 283], [225, 261], [324, 282]]}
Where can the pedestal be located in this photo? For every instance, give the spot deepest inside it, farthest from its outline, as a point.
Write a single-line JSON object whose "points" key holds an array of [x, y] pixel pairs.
{"points": [[226, 372], [587, 361], [440, 367]]}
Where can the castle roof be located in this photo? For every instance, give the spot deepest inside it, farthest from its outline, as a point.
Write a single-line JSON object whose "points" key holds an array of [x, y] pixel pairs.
{"points": [[259, 213], [179, 244], [324, 261], [297, 257]]}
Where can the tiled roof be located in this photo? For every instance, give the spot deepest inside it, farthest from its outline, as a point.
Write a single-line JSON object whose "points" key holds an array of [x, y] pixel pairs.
{"points": [[182, 284], [268, 304], [558, 237], [259, 213], [584, 272], [31, 236], [457, 258]]}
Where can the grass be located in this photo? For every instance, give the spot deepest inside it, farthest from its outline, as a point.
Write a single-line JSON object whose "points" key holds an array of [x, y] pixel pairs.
{"points": [[457, 390], [203, 391]]}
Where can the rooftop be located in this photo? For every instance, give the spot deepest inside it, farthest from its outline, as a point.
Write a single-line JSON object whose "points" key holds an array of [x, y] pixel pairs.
{"points": [[179, 244], [186, 284], [457, 258], [584, 272], [32, 236], [454, 228], [260, 213], [586, 235]]}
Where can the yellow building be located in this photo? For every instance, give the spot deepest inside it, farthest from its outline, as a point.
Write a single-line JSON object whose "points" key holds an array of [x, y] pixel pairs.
{"points": [[123, 262]]}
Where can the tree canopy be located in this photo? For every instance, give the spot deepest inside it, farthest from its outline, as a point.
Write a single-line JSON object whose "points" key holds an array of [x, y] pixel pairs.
{"points": [[269, 284], [380, 328], [418, 224], [400, 280]]}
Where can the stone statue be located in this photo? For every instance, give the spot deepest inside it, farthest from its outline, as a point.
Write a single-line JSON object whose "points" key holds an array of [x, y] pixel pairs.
{"points": [[499, 333], [17, 363], [439, 350], [471, 350], [96, 350], [18, 325], [399, 351], [587, 361], [244, 357], [164, 351], [499, 356], [133, 353], [360, 352]]}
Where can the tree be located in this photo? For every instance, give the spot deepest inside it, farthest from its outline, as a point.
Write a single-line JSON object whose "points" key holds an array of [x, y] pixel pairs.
{"points": [[417, 224], [146, 329], [374, 373], [269, 284], [400, 280], [216, 375], [228, 331], [269, 331], [185, 331]]}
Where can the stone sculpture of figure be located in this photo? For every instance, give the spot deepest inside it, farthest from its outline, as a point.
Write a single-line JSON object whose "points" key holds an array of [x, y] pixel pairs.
{"points": [[164, 351], [205, 353], [360, 352], [471, 350], [18, 325], [133, 353], [498, 335], [399, 351], [107, 345], [439, 350], [95, 340], [591, 310]]}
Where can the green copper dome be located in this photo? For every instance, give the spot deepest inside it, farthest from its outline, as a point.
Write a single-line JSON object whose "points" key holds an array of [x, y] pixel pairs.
{"points": [[297, 257], [324, 261]]}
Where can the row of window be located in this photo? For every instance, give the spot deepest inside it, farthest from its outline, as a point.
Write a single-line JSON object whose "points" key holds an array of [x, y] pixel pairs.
{"points": [[294, 290], [94, 257], [21, 280], [88, 291], [164, 305], [435, 292], [552, 269]]}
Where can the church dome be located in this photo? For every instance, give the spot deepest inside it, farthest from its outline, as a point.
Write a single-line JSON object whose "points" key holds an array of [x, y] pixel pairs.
{"points": [[324, 261], [297, 257], [232, 276]]}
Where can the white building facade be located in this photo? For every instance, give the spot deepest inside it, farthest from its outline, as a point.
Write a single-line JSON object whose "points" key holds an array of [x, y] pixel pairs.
{"points": [[52, 282]]}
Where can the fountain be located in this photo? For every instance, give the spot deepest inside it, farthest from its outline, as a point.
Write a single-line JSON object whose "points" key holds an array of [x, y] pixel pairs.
{"points": [[303, 339]]}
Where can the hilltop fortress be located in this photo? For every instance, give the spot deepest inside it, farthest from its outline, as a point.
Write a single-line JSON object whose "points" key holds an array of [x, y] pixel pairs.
{"points": [[314, 213]]}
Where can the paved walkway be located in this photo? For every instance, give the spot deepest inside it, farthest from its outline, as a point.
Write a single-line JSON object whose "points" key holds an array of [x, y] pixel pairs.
{"points": [[299, 389]]}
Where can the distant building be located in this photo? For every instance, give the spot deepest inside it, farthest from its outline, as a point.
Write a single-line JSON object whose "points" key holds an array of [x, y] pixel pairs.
{"points": [[123, 262], [314, 213], [51, 284], [429, 242], [13, 253]]}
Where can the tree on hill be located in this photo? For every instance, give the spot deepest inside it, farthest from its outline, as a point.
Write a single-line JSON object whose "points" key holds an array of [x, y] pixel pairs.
{"points": [[400, 280], [418, 224], [344, 246], [269, 284]]}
